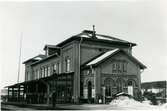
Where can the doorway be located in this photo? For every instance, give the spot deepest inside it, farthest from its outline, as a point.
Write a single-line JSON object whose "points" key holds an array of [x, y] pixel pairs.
{"points": [[89, 91]]}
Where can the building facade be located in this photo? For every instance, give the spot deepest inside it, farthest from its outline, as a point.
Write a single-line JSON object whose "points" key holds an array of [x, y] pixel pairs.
{"points": [[84, 68]]}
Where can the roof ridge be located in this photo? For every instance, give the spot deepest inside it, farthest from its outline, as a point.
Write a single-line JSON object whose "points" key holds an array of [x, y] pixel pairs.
{"points": [[110, 37]]}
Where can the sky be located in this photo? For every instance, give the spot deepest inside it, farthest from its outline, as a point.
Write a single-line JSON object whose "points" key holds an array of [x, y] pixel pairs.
{"points": [[139, 21]]}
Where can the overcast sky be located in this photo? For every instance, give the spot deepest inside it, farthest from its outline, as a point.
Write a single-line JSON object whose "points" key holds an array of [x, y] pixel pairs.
{"points": [[142, 22]]}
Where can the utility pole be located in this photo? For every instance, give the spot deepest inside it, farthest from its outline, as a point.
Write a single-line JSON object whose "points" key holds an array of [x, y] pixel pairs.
{"points": [[18, 76]]}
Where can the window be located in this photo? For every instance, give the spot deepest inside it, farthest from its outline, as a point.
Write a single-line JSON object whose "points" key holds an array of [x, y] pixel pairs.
{"points": [[38, 74], [88, 72], [67, 63], [124, 65], [119, 67], [58, 67], [54, 68], [48, 71], [130, 83], [114, 68], [45, 71], [33, 74], [108, 90]]}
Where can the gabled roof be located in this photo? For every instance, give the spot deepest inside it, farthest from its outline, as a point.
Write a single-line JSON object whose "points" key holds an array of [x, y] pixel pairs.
{"points": [[108, 54], [100, 58]]}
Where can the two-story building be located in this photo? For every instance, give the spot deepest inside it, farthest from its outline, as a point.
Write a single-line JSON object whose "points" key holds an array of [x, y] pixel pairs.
{"points": [[85, 67]]}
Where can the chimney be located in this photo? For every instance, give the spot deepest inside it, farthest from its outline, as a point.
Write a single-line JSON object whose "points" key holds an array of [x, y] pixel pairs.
{"points": [[91, 33], [94, 33]]}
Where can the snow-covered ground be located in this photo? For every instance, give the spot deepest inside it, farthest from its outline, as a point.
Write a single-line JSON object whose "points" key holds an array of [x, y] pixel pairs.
{"points": [[125, 102], [164, 106]]}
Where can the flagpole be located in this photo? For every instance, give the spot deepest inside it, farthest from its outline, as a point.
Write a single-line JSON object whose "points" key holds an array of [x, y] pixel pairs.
{"points": [[18, 76]]}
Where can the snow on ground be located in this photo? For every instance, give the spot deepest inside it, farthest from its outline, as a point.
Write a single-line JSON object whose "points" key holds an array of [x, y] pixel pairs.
{"points": [[130, 103], [164, 106]]}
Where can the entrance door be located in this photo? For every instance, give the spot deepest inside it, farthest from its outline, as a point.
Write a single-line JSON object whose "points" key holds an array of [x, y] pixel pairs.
{"points": [[89, 90]]}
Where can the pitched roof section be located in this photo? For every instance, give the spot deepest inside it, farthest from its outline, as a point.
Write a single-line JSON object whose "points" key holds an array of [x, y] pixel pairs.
{"points": [[98, 59], [36, 58], [46, 58], [110, 53], [100, 36], [92, 36]]}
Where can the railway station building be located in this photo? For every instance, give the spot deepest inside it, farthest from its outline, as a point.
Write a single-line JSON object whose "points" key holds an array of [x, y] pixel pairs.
{"points": [[86, 67]]}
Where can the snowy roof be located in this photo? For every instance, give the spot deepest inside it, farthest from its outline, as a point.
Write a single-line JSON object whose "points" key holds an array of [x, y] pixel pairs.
{"points": [[93, 36], [98, 59], [100, 36], [95, 61], [37, 58]]}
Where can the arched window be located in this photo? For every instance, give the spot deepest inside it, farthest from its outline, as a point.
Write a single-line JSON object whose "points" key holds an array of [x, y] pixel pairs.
{"points": [[131, 83], [109, 84], [120, 85]]}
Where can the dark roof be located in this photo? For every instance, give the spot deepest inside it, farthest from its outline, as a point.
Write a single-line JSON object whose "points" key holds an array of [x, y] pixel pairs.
{"points": [[115, 51], [154, 84], [51, 46], [39, 80], [97, 38], [36, 58]]}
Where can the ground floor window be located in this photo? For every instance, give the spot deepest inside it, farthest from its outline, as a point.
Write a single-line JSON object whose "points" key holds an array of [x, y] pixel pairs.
{"points": [[109, 85], [121, 85]]}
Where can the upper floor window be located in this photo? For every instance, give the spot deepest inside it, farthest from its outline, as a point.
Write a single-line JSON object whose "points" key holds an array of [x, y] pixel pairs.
{"points": [[124, 67], [54, 68], [38, 74], [48, 71], [58, 67], [67, 63], [35, 74], [43, 72], [119, 67], [45, 68]]}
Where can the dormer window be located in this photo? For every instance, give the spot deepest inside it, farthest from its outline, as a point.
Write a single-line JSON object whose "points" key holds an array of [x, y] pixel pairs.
{"points": [[51, 49]]}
